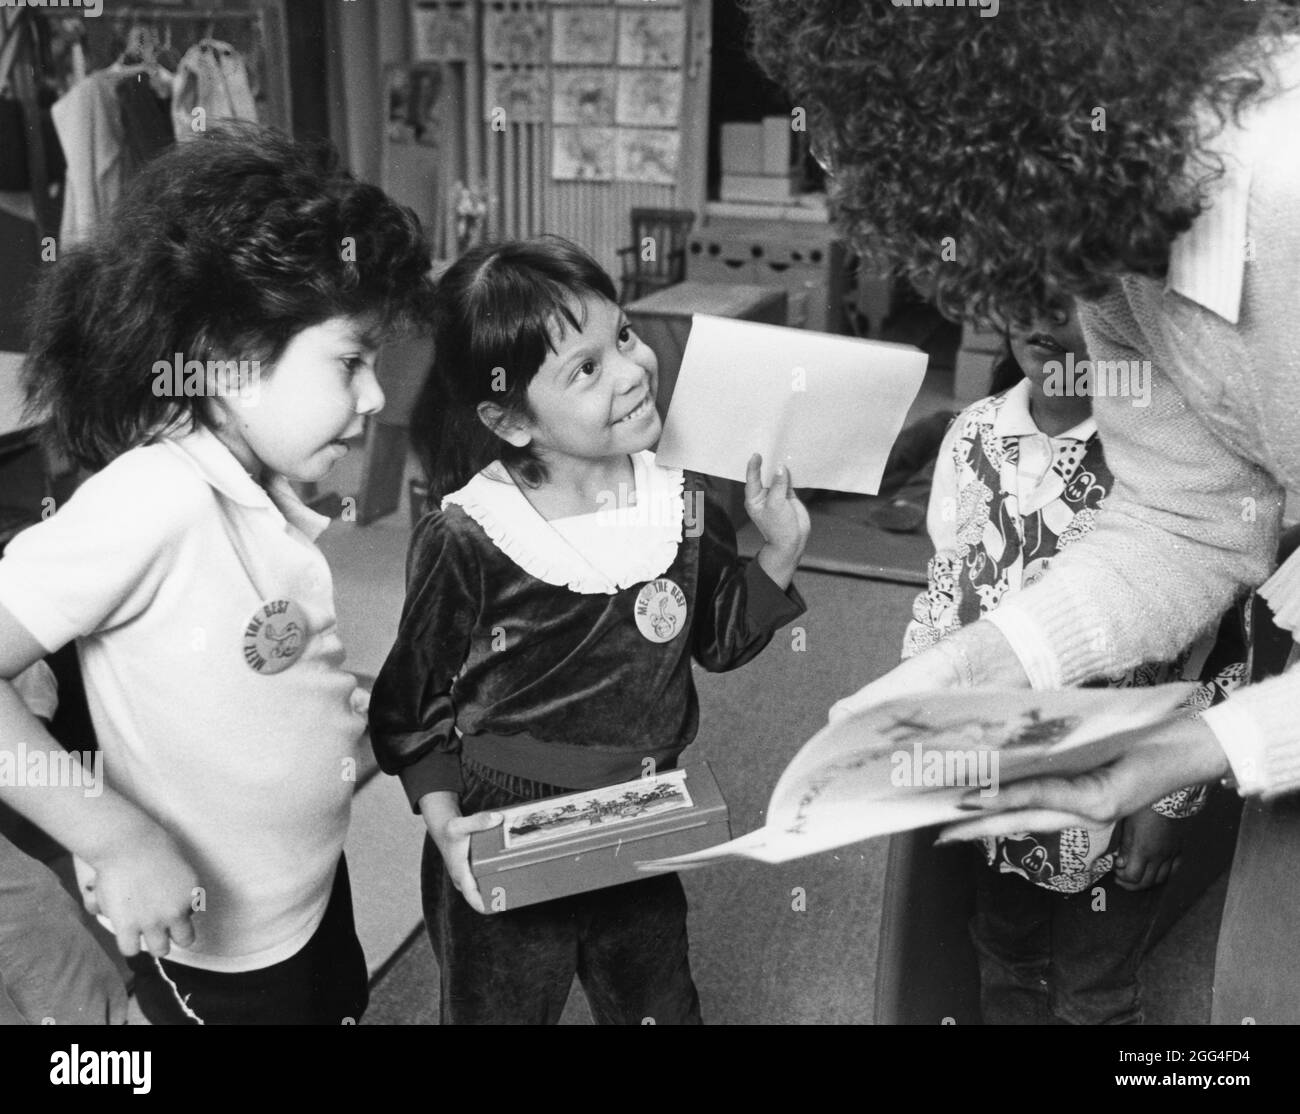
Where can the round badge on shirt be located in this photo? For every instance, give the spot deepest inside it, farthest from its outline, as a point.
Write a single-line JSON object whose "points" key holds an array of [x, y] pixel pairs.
{"points": [[275, 636], [660, 611]]}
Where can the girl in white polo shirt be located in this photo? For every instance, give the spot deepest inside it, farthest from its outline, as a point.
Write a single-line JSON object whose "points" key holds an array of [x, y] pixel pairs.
{"points": [[214, 342]]}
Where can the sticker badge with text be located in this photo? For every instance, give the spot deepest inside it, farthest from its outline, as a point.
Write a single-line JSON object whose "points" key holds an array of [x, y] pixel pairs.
{"points": [[660, 611], [275, 636]]}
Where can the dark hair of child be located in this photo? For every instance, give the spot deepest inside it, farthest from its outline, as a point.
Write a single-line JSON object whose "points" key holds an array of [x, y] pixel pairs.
{"points": [[495, 310], [224, 248]]}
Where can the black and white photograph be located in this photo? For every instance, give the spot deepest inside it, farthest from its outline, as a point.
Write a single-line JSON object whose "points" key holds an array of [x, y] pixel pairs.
{"points": [[431, 430]]}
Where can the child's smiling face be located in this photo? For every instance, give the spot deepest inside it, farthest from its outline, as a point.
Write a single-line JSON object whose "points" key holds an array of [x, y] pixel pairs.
{"points": [[593, 398], [307, 405]]}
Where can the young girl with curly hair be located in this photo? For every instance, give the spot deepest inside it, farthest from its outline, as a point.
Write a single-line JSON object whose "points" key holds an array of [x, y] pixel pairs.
{"points": [[214, 342]]}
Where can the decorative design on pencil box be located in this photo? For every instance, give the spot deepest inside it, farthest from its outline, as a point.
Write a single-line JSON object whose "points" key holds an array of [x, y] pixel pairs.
{"points": [[443, 30], [520, 91], [651, 37], [649, 98], [514, 33], [414, 106], [583, 36], [583, 154], [647, 155], [557, 819], [584, 96]]}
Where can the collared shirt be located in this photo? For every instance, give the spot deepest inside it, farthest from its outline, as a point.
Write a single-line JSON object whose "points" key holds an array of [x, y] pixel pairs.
{"points": [[1035, 474], [187, 587]]}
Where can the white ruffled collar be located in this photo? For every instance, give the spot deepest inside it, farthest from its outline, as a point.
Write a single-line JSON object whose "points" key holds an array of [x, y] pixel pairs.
{"points": [[636, 543]]}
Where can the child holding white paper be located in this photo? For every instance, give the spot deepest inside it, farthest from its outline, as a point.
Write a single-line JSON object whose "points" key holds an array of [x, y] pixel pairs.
{"points": [[1020, 476], [557, 596]]}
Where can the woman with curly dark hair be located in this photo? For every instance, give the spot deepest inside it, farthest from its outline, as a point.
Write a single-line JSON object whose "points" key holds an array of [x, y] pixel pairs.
{"points": [[1139, 156], [214, 341]]}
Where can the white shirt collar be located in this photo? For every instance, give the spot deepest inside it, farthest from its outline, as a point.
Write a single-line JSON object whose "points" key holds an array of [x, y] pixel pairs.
{"points": [[1012, 418], [643, 539], [211, 459]]}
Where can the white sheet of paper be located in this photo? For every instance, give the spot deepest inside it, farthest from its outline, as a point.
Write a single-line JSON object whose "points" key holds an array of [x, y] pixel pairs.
{"points": [[828, 407]]}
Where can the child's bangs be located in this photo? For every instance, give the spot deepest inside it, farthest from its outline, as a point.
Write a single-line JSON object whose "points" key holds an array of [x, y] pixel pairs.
{"points": [[533, 314]]}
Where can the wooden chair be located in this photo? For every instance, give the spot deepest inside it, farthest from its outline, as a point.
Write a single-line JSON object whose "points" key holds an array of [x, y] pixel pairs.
{"points": [[664, 232]]}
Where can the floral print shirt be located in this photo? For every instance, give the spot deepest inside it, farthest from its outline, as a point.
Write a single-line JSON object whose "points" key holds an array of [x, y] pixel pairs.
{"points": [[1006, 499]]}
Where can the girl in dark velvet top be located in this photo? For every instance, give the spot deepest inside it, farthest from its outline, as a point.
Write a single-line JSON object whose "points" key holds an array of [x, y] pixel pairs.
{"points": [[555, 602]]}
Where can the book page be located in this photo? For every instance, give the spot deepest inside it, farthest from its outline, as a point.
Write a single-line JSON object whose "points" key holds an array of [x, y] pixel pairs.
{"points": [[908, 763]]}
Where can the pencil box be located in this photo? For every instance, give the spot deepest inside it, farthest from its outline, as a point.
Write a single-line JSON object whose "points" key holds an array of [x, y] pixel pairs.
{"points": [[584, 841]]}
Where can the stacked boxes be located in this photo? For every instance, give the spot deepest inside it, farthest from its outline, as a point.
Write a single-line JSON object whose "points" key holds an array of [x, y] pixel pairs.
{"points": [[760, 162]]}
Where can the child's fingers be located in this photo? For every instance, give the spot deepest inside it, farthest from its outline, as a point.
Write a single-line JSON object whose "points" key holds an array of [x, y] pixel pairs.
{"points": [[754, 480], [1163, 872], [128, 939], [1139, 875], [476, 822], [181, 930], [784, 478], [156, 941], [86, 878], [1128, 865], [468, 886]]}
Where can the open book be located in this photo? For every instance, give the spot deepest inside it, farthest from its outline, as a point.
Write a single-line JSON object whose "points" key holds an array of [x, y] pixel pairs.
{"points": [[907, 763]]}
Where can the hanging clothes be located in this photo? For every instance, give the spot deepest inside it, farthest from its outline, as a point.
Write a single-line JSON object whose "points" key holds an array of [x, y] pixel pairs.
{"points": [[89, 123], [146, 121], [211, 76]]}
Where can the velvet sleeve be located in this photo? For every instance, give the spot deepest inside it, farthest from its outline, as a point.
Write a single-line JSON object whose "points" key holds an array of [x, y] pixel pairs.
{"points": [[412, 712], [737, 607]]}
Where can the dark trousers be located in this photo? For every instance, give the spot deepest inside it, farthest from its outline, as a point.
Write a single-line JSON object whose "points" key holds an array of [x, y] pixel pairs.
{"points": [[326, 983], [626, 944], [1050, 958]]}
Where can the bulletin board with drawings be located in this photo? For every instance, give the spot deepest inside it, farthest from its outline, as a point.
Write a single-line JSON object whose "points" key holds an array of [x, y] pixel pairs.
{"points": [[617, 95], [605, 75]]}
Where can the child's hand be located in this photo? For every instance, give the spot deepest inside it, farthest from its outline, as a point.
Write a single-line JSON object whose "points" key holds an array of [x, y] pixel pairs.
{"points": [[1149, 847], [450, 832], [144, 886], [780, 517]]}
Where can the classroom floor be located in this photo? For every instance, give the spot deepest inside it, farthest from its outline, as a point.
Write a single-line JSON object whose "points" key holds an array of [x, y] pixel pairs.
{"points": [[755, 958]]}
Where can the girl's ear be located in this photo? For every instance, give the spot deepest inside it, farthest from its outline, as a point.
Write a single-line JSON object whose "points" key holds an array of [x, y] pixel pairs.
{"points": [[506, 424]]}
